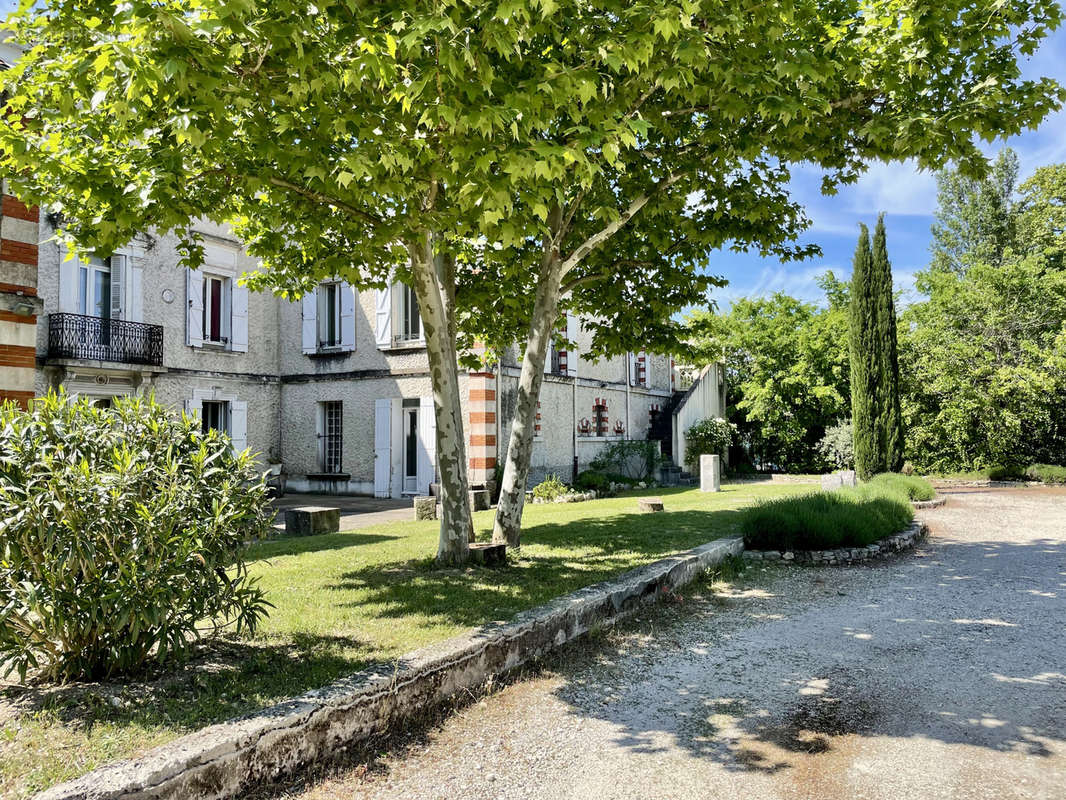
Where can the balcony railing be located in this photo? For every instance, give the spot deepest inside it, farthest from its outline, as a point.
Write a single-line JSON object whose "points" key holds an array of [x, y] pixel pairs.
{"points": [[96, 339]]}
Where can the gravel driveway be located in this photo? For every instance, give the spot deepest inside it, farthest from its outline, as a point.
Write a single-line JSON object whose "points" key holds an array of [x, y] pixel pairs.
{"points": [[939, 674]]}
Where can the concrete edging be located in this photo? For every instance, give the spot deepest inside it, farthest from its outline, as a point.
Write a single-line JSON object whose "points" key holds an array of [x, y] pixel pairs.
{"points": [[895, 543], [936, 502], [227, 759]]}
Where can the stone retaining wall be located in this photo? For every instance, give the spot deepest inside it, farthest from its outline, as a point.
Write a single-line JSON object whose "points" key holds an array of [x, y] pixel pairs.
{"points": [[848, 555], [936, 502], [226, 760]]}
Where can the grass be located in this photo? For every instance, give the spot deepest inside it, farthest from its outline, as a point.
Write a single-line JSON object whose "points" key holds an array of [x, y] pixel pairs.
{"points": [[828, 520], [911, 485], [344, 602]]}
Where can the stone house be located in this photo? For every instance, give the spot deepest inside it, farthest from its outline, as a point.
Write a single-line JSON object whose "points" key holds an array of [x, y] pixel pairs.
{"points": [[335, 387]]}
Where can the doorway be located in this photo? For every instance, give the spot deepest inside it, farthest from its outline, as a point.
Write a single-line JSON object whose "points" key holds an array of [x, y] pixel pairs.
{"points": [[410, 446]]}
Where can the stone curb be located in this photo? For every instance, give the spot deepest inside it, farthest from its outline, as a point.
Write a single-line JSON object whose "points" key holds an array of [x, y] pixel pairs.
{"points": [[850, 555], [936, 502], [227, 759]]}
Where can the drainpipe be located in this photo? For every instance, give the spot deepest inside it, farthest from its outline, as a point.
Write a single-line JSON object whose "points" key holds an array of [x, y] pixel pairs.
{"points": [[573, 428], [628, 369]]}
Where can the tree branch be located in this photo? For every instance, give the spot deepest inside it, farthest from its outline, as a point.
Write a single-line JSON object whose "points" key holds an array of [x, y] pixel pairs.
{"points": [[325, 199]]}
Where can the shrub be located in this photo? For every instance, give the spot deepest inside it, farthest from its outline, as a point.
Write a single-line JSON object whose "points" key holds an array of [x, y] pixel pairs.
{"points": [[121, 532], [633, 459], [907, 468], [826, 520], [709, 436], [913, 487], [592, 480], [837, 446], [1006, 472], [1046, 473], [550, 488]]}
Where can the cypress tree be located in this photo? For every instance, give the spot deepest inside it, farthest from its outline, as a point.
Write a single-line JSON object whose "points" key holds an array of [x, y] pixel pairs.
{"points": [[890, 422], [865, 363]]}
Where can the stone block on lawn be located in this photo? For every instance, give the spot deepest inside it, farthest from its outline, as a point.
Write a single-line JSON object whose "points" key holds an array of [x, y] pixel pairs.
{"points": [[425, 507], [710, 473], [479, 499], [647, 505], [312, 520], [832, 481], [488, 554]]}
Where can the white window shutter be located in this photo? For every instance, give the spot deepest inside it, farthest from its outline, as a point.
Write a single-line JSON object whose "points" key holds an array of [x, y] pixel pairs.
{"points": [[573, 328], [193, 406], [119, 287], [68, 285], [238, 340], [238, 425], [382, 447], [347, 316], [383, 317], [134, 291], [427, 444], [309, 317], [194, 297]]}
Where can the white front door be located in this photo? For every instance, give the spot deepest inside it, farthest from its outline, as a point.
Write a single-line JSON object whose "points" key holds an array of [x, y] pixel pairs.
{"points": [[410, 449]]}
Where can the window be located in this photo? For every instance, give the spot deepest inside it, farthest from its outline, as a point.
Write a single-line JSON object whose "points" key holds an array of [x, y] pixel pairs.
{"points": [[330, 436], [555, 365], [216, 309], [94, 288], [329, 315], [214, 416], [410, 446], [410, 320], [600, 420]]}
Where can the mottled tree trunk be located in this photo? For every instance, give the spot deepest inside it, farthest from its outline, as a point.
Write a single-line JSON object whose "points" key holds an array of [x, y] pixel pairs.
{"points": [[434, 285], [508, 525]]}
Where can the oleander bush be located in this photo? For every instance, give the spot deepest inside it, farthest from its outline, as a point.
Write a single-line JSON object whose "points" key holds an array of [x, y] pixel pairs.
{"points": [[827, 520], [914, 487], [122, 533]]}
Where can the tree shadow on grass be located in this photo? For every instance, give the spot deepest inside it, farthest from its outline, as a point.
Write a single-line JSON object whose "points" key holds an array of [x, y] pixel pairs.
{"points": [[294, 545], [224, 678], [556, 558]]}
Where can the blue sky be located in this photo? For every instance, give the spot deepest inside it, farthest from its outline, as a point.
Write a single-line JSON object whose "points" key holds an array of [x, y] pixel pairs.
{"points": [[906, 195]]}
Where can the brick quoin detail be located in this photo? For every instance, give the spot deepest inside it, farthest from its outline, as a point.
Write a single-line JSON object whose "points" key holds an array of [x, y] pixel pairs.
{"points": [[11, 316], [17, 356], [13, 207], [15, 288], [481, 439], [19, 252], [22, 399]]}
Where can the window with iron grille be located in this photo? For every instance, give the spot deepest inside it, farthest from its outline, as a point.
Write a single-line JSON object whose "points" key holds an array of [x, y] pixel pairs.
{"points": [[330, 436]]}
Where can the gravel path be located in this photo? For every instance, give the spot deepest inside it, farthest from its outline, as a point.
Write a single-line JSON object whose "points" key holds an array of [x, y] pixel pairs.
{"points": [[940, 674]]}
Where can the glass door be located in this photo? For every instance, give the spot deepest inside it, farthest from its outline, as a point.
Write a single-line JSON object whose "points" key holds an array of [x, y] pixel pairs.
{"points": [[94, 300], [410, 451]]}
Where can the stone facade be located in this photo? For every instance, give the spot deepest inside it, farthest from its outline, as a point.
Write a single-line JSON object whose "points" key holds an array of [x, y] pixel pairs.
{"points": [[335, 386]]}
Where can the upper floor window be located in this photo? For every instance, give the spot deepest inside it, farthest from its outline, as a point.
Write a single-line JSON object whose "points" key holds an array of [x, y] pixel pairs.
{"points": [[329, 315], [94, 288], [216, 309], [410, 319]]}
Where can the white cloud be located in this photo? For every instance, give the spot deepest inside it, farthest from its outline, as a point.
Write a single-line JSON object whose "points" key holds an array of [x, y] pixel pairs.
{"points": [[797, 281]]}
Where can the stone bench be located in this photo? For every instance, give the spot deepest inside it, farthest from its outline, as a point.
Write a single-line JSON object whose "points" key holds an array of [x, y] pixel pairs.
{"points": [[425, 507], [488, 554], [312, 520], [647, 505]]}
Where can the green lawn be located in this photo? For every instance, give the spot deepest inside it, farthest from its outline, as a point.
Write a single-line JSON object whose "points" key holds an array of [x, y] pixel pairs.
{"points": [[343, 602]]}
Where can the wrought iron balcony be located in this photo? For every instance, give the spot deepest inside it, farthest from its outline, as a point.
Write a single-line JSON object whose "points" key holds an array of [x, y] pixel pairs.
{"points": [[95, 339]]}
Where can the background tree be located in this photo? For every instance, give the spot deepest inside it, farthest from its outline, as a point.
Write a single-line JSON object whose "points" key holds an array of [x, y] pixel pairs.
{"points": [[975, 222], [787, 373], [890, 422], [1041, 216]]}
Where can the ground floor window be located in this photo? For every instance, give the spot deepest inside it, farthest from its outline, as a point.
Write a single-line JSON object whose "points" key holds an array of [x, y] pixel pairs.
{"points": [[410, 445], [330, 436], [214, 416]]}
